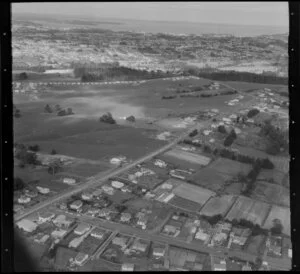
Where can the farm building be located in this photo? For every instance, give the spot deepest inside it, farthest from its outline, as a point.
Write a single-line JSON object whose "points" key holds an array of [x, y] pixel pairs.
{"points": [[69, 181], [81, 258], [82, 228], [45, 217], [159, 251], [27, 225], [58, 233], [127, 267], [62, 221], [97, 233], [76, 204]]}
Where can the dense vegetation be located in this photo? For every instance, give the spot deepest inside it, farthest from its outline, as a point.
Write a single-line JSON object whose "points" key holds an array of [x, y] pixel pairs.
{"points": [[107, 118], [230, 138], [217, 75], [252, 112]]}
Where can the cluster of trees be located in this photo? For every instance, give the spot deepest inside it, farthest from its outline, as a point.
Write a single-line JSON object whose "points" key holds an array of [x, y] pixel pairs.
{"points": [[54, 167], [250, 179], [19, 184], [16, 112], [252, 112], [277, 139], [217, 75], [212, 220], [34, 148], [59, 110], [193, 133], [230, 138], [222, 129], [277, 227], [88, 74], [255, 228], [130, 118], [24, 156], [107, 118], [23, 76], [168, 97]]}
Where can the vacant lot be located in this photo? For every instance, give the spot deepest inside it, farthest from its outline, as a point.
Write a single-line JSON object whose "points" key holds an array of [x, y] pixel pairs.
{"points": [[251, 210], [281, 213], [193, 193], [271, 193], [218, 205], [188, 156]]}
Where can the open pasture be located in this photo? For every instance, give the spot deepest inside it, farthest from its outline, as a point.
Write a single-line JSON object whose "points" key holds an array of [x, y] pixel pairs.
{"points": [[251, 210], [218, 205], [193, 193], [271, 193], [188, 156], [281, 213]]}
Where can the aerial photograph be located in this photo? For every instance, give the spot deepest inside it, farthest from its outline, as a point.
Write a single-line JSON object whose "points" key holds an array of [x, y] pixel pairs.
{"points": [[152, 136]]}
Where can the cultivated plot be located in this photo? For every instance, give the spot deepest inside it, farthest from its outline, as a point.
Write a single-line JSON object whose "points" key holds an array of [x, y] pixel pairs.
{"points": [[251, 210]]}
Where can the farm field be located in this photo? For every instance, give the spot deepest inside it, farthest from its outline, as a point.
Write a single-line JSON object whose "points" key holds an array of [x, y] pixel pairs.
{"points": [[281, 213], [218, 205], [188, 156], [251, 210], [230, 167], [272, 193], [209, 178], [274, 175], [185, 204], [244, 86], [281, 163], [193, 193]]}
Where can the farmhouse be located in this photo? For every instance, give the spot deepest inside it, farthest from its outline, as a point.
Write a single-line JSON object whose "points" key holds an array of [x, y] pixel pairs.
{"points": [[27, 225], [76, 204], [81, 258], [82, 228]]}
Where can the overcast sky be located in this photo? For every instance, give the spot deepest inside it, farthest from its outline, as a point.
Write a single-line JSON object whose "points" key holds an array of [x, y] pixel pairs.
{"points": [[242, 13]]}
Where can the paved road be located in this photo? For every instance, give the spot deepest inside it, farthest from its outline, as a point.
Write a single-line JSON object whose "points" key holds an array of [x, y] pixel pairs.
{"points": [[103, 176]]}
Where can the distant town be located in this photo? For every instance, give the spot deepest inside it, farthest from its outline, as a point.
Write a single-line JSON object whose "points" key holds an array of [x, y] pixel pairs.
{"points": [[150, 152]]}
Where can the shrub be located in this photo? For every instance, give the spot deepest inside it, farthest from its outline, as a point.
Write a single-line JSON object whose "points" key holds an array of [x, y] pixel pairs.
{"points": [[34, 148], [222, 129], [252, 112], [107, 118]]}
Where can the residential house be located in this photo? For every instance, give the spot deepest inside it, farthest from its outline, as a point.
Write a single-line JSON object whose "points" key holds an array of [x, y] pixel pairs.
{"points": [[45, 217], [43, 190], [81, 258], [27, 225], [69, 181], [76, 242], [76, 205], [218, 264], [121, 241], [159, 251], [97, 233], [125, 217], [24, 200], [239, 235], [117, 184], [87, 196], [62, 221], [82, 228], [139, 246], [127, 267], [104, 212], [58, 233]]}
